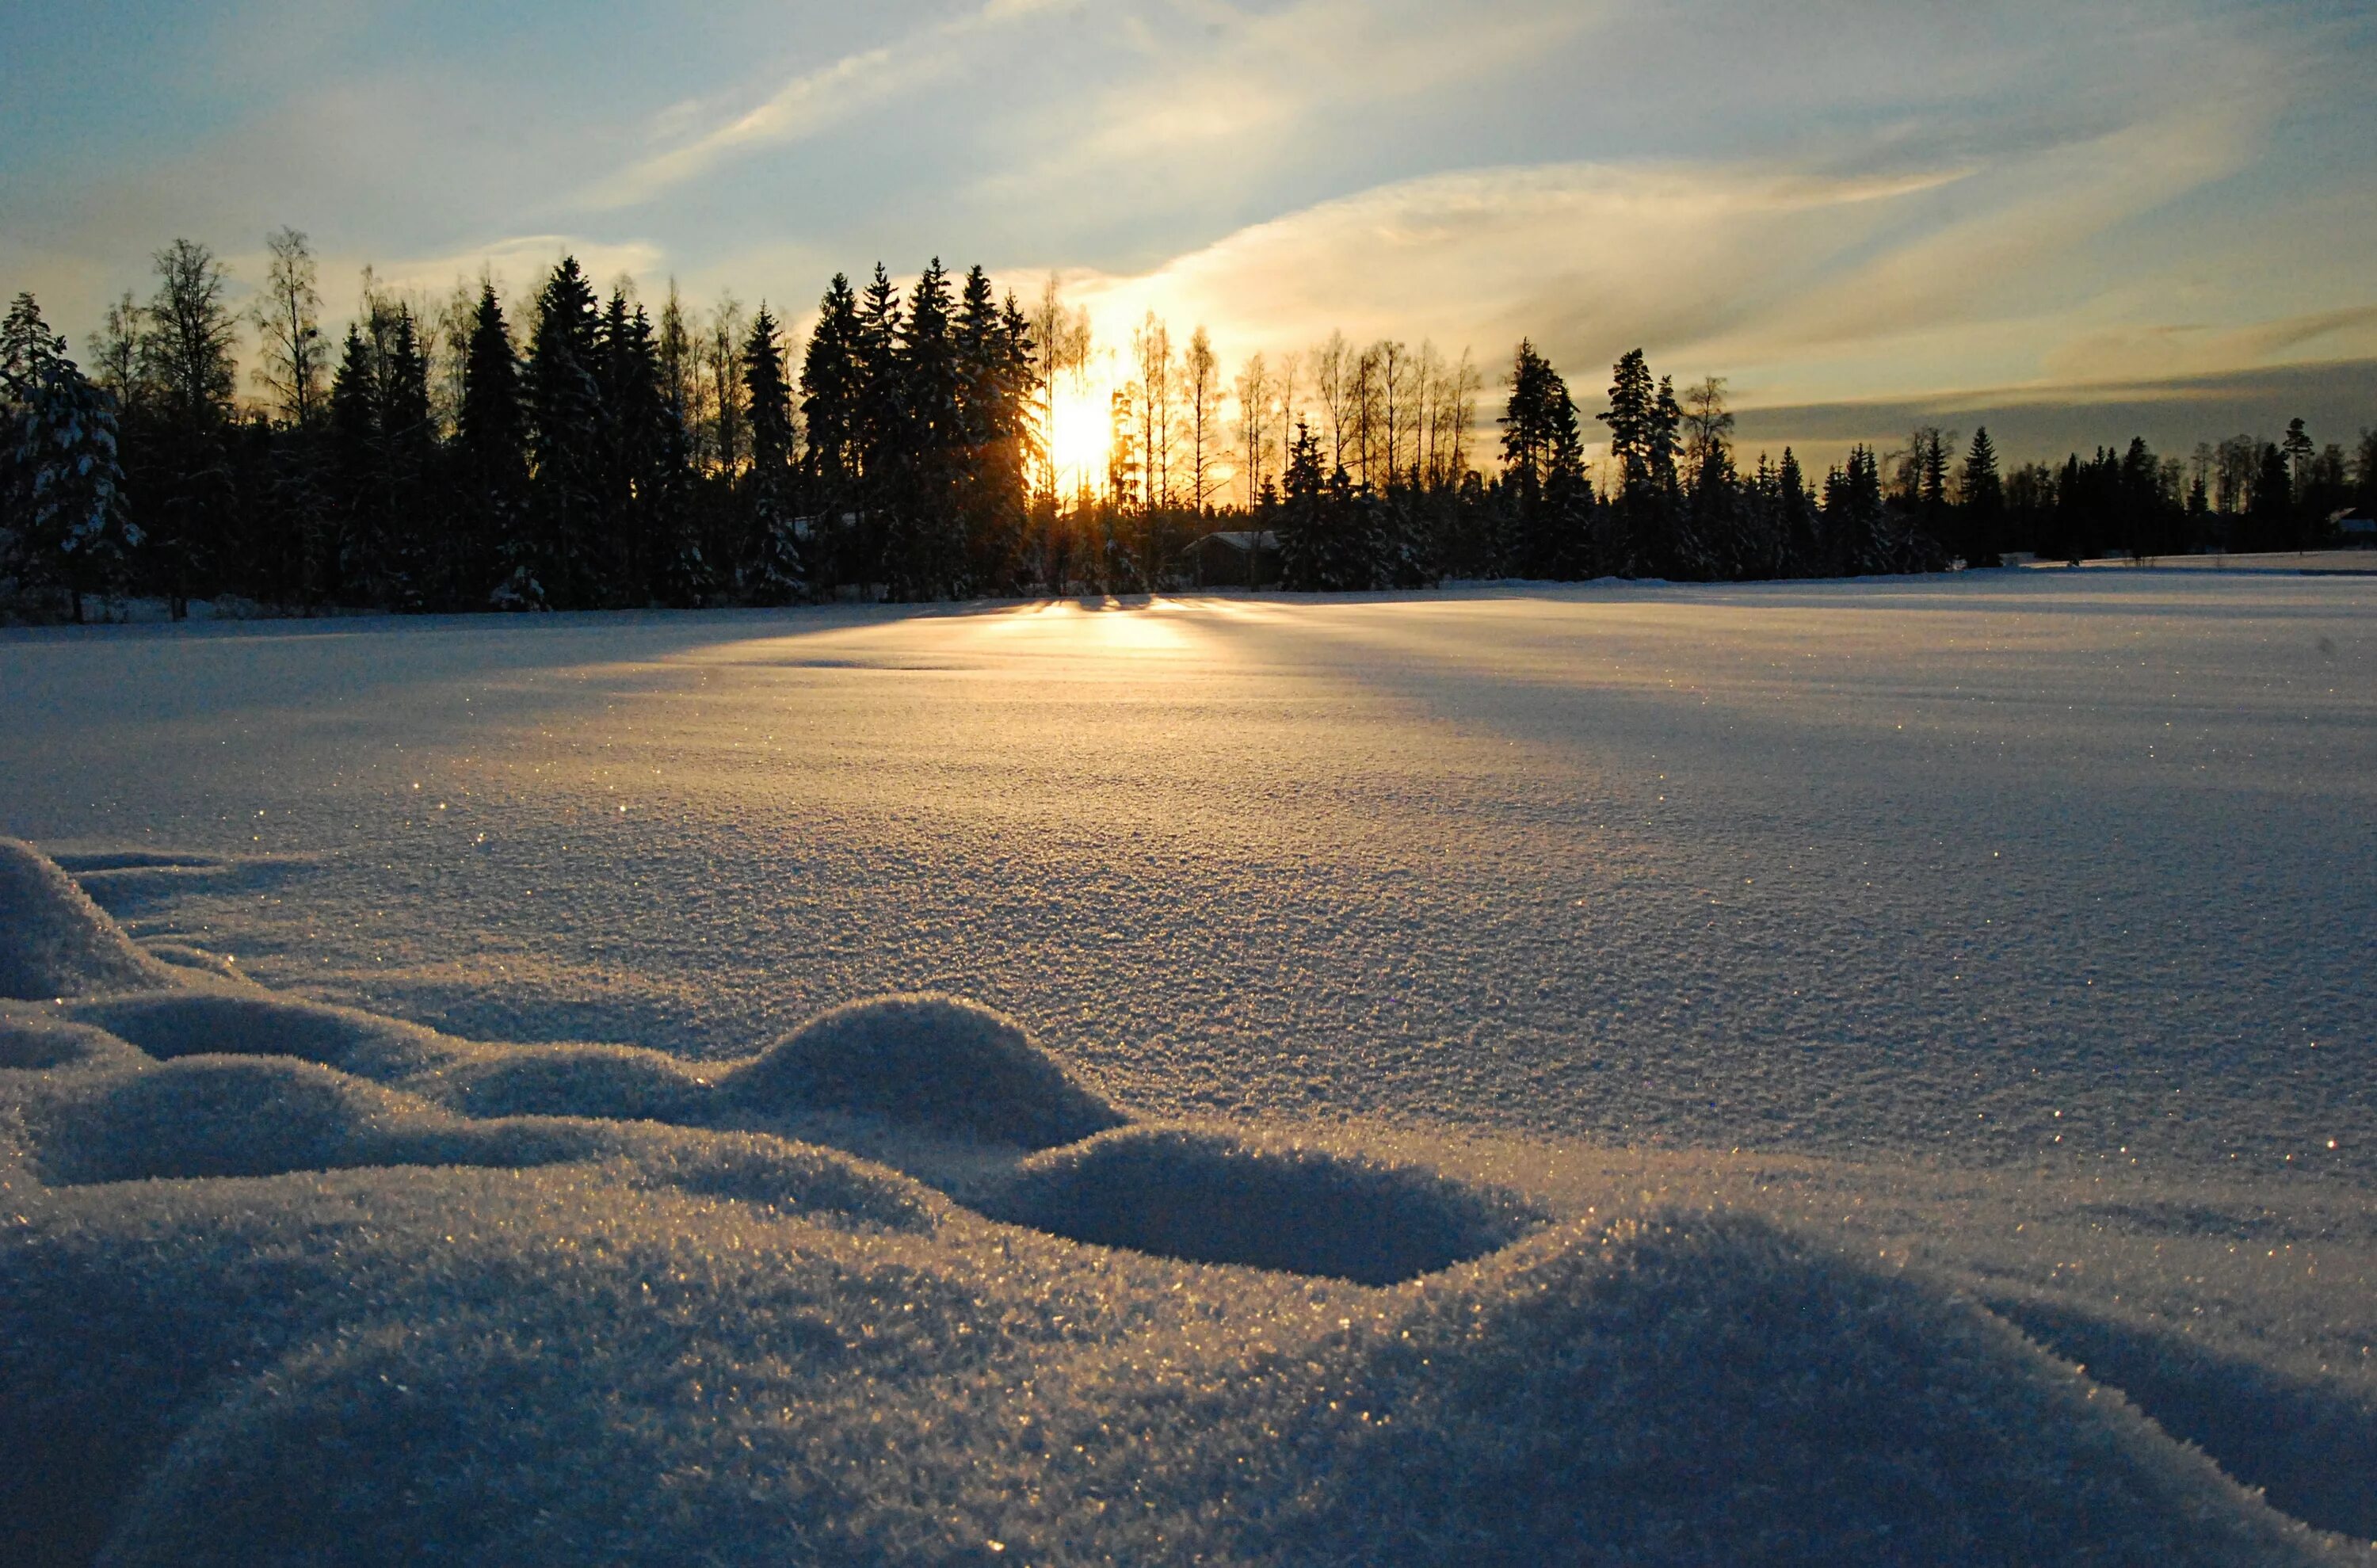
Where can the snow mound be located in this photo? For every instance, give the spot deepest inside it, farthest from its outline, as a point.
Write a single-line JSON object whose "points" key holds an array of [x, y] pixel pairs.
{"points": [[619, 1083], [448, 1380], [934, 1063], [37, 1042], [54, 942], [1682, 1388], [2310, 1444], [215, 1116], [1207, 1196], [255, 1023], [221, 1116]]}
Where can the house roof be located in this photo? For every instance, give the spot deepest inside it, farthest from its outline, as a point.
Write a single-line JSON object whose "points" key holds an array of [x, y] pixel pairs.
{"points": [[1241, 540]]}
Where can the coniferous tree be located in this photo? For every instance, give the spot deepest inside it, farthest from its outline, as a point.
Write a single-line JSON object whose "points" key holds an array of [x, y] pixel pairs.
{"points": [[1981, 505], [406, 573], [1302, 547], [686, 576], [1643, 419], [773, 575], [564, 398], [642, 456], [490, 462], [831, 417], [927, 551], [358, 480], [1798, 526], [1856, 516], [996, 387], [882, 433], [62, 525], [1543, 473], [2271, 514]]}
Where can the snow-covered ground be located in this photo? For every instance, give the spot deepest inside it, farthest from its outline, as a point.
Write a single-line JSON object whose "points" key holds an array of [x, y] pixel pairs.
{"points": [[2005, 937]]}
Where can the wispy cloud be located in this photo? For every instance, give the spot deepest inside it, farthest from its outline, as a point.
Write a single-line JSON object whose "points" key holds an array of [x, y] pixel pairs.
{"points": [[1586, 254], [815, 101]]}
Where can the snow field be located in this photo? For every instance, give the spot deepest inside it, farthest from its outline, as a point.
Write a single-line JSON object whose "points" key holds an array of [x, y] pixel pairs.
{"points": [[259, 1308], [1733, 1020]]}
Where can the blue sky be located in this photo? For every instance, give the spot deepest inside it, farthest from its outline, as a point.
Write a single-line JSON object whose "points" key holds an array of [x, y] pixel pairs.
{"points": [[2163, 208]]}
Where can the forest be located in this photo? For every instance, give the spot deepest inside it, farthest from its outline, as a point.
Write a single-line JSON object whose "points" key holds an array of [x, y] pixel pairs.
{"points": [[583, 450]]}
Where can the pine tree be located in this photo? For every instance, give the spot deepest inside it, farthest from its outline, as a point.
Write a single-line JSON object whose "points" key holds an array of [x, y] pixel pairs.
{"points": [[411, 438], [831, 416], [62, 522], [643, 451], [1644, 421], [565, 410], [775, 574], [927, 550], [1798, 526], [2271, 514], [881, 433], [1857, 517], [358, 481], [995, 397], [490, 461], [1981, 504], [1542, 468], [1302, 545]]}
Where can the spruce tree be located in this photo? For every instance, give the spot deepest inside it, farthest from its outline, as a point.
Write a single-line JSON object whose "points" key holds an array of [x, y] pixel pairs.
{"points": [[1542, 468], [643, 481], [565, 410], [359, 481], [1302, 546], [490, 461], [881, 436], [830, 410], [64, 530], [1981, 504], [773, 574], [1644, 422], [407, 567], [927, 550]]}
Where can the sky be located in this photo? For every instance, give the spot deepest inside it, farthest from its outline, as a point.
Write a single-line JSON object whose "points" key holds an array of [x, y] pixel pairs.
{"points": [[2074, 222]]}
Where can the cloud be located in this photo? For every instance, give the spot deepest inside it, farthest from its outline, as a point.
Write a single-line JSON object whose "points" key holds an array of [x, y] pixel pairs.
{"points": [[1224, 92], [1487, 253], [815, 101], [2138, 354], [2335, 398]]}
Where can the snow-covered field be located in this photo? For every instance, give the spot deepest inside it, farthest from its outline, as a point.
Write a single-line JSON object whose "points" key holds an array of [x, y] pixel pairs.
{"points": [[1781, 995]]}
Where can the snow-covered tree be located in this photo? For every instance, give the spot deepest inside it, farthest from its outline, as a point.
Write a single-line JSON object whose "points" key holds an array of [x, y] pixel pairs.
{"points": [[63, 526]]}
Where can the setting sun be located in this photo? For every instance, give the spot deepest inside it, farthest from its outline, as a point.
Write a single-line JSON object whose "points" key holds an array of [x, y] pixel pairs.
{"points": [[1077, 436]]}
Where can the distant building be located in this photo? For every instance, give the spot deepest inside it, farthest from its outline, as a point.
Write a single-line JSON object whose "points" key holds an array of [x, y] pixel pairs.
{"points": [[1241, 560], [2357, 527]]}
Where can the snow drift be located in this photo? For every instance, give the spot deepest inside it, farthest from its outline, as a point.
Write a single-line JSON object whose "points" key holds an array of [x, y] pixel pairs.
{"points": [[283, 1283], [1208, 1196]]}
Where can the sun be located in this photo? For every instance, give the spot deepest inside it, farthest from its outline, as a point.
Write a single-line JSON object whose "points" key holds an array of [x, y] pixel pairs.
{"points": [[1078, 437]]}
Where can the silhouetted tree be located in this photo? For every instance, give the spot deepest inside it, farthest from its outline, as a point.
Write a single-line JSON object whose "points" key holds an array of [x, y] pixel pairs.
{"points": [[775, 574], [489, 467], [564, 398], [1981, 503]]}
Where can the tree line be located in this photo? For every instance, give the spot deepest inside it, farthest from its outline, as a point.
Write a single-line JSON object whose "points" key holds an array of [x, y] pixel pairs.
{"points": [[584, 451]]}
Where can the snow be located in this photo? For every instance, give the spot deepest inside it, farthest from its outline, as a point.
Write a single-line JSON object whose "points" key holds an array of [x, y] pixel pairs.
{"points": [[1718, 1024]]}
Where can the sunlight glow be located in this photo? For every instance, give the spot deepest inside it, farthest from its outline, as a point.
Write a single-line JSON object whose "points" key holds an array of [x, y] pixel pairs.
{"points": [[1077, 436]]}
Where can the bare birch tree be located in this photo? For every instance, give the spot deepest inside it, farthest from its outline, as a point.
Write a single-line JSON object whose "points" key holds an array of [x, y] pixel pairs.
{"points": [[1254, 393], [1201, 380], [288, 321]]}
